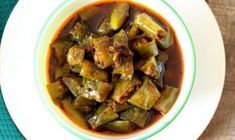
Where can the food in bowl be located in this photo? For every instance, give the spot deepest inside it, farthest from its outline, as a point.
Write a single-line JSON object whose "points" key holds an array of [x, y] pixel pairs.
{"points": [[115, 67]]}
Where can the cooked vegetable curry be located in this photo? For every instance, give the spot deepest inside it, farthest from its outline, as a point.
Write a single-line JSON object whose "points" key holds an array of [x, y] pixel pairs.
{"points": [[115, 67]]}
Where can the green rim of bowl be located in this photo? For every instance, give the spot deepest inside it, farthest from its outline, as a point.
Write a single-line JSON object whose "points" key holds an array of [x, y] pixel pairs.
{"points": [[85, 136]]}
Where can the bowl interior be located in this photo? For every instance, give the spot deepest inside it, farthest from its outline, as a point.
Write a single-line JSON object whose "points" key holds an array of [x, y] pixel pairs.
{"points": [[65, 10]]}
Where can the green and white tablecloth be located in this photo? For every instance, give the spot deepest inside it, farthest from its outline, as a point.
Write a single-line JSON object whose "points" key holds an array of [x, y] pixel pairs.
{"points": [[8, 130]]}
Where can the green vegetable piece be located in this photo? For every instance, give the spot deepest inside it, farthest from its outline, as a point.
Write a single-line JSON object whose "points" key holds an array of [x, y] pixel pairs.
{"points": [[120, 126], [160, 81], [87, 42], [74, 84], [150, 68], [145, 46], [82, 104], [167, 40], [145, 96], [126, 70], [119, 15], [56, 90], [118, 107], [145, 23], [135, 115], [61, 71], [90, 71], [78, 32], [103, 115], [61, 47], [105, 27], [88, 13], [120, 39], [161, 59], [120, 48], [102, 56], [75, 68], [133, 31], [167, 99], [123, 88], [75, 55], [76, 116], [95, 90]]}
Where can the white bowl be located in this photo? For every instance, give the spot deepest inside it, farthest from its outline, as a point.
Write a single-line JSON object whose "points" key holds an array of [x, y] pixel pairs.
{"points": [[64, 11]]}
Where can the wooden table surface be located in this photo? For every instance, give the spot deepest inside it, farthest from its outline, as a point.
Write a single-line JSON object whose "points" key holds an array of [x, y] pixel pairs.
{"points": [[222, 126]]}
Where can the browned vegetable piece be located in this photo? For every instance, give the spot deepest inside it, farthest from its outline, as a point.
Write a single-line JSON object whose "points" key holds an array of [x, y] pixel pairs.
{"points": [[102, 56], [133, 31], [123, 88], [126, 70], [150, 68], [118, 107], [120, 48], [167, 99], [146, 95], [75, 55], [121, 54], [90, 71], [95, 90], [144, 46], [87, 43], [120, 39]]}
